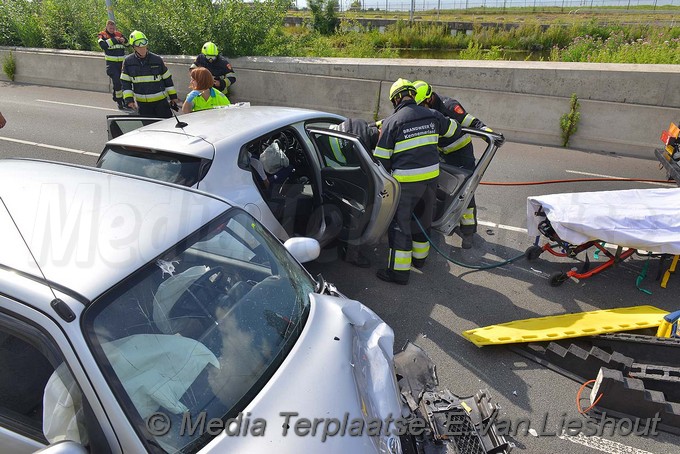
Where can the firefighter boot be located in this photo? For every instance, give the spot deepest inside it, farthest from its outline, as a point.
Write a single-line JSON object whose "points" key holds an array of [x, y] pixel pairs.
{"points": [[388, 275], [467, 240]]}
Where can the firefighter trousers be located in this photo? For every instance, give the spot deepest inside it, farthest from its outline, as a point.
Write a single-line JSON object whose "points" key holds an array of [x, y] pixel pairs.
{"points": [[113, 70], [465, 158], [406, 240]]}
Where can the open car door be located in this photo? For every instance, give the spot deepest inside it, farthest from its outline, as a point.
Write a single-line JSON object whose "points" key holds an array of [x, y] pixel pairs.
{"points": [[456, 186], [117, 125], [355, 186]]}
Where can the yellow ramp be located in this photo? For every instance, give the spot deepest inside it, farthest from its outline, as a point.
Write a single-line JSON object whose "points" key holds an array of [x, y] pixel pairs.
{"points": [[568, 325]]}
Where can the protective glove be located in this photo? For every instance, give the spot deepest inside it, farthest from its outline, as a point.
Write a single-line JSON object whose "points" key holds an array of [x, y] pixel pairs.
{"points": [[173, 105]]}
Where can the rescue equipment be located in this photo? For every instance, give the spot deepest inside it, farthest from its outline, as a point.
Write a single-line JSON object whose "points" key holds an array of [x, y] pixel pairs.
{"points": [[631, 219], [567, 326]]}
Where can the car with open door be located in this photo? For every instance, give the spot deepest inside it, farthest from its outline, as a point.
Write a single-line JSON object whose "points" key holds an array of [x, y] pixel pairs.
{"points": [[277, 163], [141, 316]]}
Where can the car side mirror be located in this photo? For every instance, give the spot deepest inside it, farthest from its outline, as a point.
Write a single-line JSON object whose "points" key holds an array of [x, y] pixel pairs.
{"points": [[303, 249], [64, 447]]}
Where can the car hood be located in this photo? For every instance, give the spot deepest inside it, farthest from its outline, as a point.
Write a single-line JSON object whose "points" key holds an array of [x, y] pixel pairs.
{"points": [[342, 368]]}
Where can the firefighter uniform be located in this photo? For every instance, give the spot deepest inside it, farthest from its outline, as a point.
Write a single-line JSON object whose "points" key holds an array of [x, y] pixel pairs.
{"points": [[218, 66], [408, 148], [147, 80], [114, 54], [457, 153]]}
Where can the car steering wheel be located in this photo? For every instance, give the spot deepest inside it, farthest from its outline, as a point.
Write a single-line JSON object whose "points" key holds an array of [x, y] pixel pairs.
{"points": [[195, 308]]}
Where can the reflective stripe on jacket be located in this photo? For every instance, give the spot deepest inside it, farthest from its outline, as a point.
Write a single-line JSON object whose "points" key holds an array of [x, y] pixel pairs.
{"points": [[451, 108], [113, 50], [147, 79], [408, 141]]}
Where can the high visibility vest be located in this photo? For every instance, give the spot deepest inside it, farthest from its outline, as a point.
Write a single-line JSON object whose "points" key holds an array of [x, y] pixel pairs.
{"points": [[216, 99]]}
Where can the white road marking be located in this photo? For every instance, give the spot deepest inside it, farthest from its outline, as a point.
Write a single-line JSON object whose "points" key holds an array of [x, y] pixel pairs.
{"points": [[77, 105], [616, 178], [602, 444], [52, 147], [502, 226]]}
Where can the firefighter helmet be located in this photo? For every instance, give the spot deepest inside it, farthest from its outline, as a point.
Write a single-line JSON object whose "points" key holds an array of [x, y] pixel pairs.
{"points": [[400, 87], [138, 39], [423, 91], [210, 49]]}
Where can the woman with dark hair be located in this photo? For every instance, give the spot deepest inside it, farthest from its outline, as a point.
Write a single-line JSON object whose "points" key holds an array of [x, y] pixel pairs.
{"points": [[203, 96]]}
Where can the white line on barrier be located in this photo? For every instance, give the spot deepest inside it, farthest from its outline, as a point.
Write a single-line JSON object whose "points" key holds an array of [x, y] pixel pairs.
{"points": [[53, 147], [77, 105], [616, 178]]}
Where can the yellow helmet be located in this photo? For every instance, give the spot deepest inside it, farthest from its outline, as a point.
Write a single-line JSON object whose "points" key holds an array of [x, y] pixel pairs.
{"points": [[138, 39], [423, 91], [400, 87], [210, 49]]}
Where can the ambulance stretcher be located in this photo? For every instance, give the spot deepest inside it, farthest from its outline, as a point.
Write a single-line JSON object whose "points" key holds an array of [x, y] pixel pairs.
{"points": [[632, 220]]}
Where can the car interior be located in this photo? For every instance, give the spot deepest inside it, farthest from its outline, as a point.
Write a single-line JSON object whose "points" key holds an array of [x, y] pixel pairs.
{"points": [[289, 191], [213, 318]]}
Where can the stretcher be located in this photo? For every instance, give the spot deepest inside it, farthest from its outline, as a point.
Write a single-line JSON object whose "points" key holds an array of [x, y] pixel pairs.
{"points": [[631, 220]]}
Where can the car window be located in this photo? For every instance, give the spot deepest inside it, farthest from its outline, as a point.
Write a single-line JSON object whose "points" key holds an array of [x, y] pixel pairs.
{"points": [[337, 152], [202, 328], [170, 167], [39, 397]]}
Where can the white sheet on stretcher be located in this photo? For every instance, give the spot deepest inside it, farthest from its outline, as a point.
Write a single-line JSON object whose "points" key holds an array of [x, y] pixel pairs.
{"points": [[646, 219]]}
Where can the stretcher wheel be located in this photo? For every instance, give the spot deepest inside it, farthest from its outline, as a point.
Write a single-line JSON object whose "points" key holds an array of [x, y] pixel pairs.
{"points": [[533, 252], [557, 278]]}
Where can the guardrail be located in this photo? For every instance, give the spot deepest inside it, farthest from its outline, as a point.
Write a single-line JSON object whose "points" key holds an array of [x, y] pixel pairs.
{"points": [[623, 107]]}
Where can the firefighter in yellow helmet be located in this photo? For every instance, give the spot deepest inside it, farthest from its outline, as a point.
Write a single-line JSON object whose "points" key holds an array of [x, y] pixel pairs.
{"points": [[407, 148], [218, 66], [146, 81], [457, 153]]}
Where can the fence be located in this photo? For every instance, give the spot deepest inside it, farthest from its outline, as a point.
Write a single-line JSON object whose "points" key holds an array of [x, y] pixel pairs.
{"points": [[537, 5]]}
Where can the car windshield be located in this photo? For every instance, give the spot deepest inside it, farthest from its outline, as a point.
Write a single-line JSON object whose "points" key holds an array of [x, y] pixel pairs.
{"points": [[170, 167], [201, 329]]}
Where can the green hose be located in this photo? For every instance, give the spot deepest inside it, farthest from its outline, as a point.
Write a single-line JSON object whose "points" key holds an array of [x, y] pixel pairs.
{"points": [[464, 265]]}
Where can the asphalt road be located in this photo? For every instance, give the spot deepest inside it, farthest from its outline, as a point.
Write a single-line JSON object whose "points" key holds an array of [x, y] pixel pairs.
{"points": [[444, 299]]}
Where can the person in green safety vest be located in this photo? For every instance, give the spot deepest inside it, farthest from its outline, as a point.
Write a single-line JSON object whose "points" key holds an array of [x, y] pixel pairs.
{"points": [[204, 95]]}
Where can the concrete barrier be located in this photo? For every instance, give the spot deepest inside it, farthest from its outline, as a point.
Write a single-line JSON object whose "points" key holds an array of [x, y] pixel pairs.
{"points": [[623, 107]]}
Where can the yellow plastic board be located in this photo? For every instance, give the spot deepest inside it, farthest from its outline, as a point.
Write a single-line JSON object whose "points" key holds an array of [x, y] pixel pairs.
{"points": [[567, 326]]}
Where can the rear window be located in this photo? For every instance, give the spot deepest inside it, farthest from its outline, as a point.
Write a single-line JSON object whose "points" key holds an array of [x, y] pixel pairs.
{"points": [[169, 167]]}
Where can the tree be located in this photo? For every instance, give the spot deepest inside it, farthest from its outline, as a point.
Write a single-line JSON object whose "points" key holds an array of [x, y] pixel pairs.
{"points": [[324, 16]]}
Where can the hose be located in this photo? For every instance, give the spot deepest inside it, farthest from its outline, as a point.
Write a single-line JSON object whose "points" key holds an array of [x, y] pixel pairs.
{"points": [[464, 265]]}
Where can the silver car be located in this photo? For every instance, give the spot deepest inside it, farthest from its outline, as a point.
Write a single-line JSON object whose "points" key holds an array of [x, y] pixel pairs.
{"points": [[140, 316], [318, 193]]}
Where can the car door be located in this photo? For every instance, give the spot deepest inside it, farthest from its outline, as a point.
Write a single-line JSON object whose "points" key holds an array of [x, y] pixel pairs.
{"points": [[355, 185], [40, 400], [117, 125], [456, 186]]}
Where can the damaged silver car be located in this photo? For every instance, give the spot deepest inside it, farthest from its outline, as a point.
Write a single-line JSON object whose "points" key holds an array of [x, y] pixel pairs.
{"points": [[137, 316]]}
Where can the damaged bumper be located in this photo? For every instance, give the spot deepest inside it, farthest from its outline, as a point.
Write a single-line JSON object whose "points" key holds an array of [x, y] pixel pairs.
{"points": [[453, 424]]}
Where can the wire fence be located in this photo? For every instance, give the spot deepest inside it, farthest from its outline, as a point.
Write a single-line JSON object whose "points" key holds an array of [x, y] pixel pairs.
{"points": [[536, 5]]}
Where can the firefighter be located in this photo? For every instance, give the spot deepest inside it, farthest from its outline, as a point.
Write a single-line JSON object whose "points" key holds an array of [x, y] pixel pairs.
{"points": [[218, 65], [368, 135], [407, 147], [146, 81], [460, 152], [113, 43]]}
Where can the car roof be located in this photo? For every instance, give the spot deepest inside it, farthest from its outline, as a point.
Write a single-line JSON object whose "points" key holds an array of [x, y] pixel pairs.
{"points": [[238, 124], [88, 229]]}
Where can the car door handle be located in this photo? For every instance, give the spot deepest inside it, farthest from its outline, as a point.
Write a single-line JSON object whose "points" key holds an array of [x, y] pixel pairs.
{"points": [[330, 184]]}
